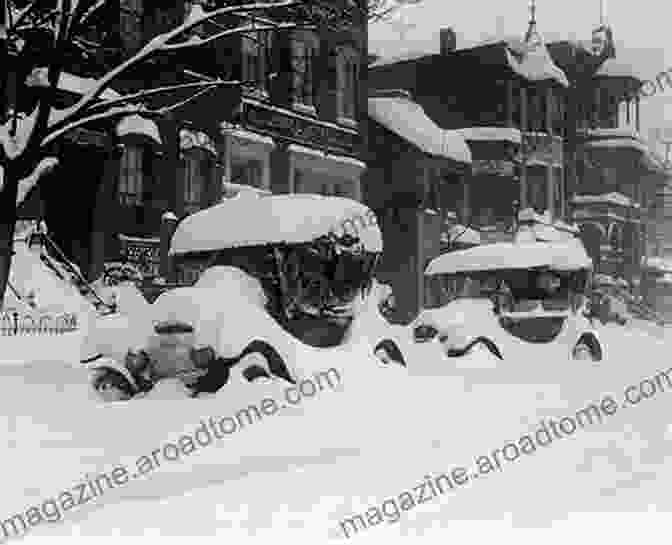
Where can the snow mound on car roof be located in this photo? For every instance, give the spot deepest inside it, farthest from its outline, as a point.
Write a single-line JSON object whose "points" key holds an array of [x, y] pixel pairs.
{"points": [[256, 220]]}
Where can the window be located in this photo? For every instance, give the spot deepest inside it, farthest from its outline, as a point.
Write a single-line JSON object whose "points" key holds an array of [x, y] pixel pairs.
{"points": [[247, 172], [198, 166], [131, 23], [131, 177], [304, 53], [255, 50], [348, 83]]}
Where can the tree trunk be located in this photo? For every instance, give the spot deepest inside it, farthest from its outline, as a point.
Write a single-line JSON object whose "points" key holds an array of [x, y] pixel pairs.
{"points": [[7, 225]]}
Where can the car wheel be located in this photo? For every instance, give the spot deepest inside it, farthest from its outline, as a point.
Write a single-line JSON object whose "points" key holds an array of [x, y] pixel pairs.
{"points": [[587, 348], [388, 352], [276, 364]]}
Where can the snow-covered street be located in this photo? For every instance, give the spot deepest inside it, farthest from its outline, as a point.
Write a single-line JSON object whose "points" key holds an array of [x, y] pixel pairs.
{"points": [[349, 451]]}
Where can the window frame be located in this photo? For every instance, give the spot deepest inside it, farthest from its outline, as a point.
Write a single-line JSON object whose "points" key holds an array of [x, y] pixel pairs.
{"points": [[198, 164], [131, 189], [347, 83], [304, 89]]}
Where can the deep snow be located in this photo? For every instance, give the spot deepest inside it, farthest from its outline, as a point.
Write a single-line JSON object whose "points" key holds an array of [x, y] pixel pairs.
{"points": [[300, 472]]}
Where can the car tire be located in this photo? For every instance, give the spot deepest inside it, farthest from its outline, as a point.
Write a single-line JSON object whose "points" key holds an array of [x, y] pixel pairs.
{"points": [[388, 352], [587, 348]]}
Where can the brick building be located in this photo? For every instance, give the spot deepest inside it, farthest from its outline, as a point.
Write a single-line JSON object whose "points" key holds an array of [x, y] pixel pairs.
{"points": [[295, 129], [505, 100]]}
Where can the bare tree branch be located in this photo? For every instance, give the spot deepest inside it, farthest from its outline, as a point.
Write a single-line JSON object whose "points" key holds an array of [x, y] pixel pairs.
{"points": [[158, 43], [167, 109], [198, 42], [109, 114], [22, 14], [147, 93]]}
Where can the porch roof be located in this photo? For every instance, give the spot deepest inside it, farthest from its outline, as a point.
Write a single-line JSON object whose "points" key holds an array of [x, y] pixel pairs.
{"points": [[407, 119]]}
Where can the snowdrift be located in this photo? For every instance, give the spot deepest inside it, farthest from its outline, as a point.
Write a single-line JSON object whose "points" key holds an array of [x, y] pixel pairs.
{"points": [[54, 298]]}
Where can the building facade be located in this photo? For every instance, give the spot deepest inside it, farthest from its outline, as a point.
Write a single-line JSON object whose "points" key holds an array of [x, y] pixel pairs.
{"points": [[508, 108], [293, 127], [617, 174]]}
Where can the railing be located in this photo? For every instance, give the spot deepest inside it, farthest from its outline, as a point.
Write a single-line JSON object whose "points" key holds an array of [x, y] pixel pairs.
{"points": [[14, 323]]}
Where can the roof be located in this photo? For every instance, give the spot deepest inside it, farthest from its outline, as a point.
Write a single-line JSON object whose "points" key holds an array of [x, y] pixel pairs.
{"points": [[534, 63], [491, 134], [607, 198], [408, 119], [254, 220], [135, 124], [565, 255]]}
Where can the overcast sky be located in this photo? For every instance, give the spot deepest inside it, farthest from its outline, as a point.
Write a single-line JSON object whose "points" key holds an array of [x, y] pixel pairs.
{"points": [[642, 31]]}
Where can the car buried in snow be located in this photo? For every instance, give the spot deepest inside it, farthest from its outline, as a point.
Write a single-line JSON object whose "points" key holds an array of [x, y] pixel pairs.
{"points": [[280, 281], [512, 300]]}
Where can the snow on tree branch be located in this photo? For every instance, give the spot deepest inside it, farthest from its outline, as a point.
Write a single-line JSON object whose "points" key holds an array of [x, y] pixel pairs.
{"points": [[45, 166], [197, 41], [159, 43]]}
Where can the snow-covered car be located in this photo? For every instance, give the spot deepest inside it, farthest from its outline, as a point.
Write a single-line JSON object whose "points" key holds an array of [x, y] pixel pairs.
{"points": [[280, 279], [513, 300]]}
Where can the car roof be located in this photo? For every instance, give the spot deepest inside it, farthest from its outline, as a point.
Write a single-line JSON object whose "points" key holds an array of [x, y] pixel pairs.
{"points": [[565, 255], [256, 220]]}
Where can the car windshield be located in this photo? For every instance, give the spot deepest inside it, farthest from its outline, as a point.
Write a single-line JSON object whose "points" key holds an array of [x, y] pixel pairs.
{"points": [[518, 289]]}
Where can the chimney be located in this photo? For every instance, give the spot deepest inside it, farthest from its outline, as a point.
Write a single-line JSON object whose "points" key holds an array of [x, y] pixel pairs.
{"points": [[447, 41]]}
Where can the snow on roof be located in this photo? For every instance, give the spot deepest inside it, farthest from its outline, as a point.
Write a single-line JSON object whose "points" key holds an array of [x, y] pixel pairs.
{"points": [[463, 235], [607, 198], [402, 57], [565, 255], [533, 62], [616, 143], [492, 134], [253, 220], [659, 263], [136, 124], [408, 119]]}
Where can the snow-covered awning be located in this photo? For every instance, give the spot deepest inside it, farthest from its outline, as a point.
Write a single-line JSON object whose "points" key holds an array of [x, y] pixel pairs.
{"points": [[408, 119], [624, 139], [136, 124], [615, 198], [196, 139], [491, 134], [69, 82], [460, 234], [258, 220]]}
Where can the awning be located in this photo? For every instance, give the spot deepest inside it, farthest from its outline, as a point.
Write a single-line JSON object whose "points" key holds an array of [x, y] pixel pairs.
{"points": [[618, 140], [136, 124], [408, 119], [491, 134], [614, 198]]}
